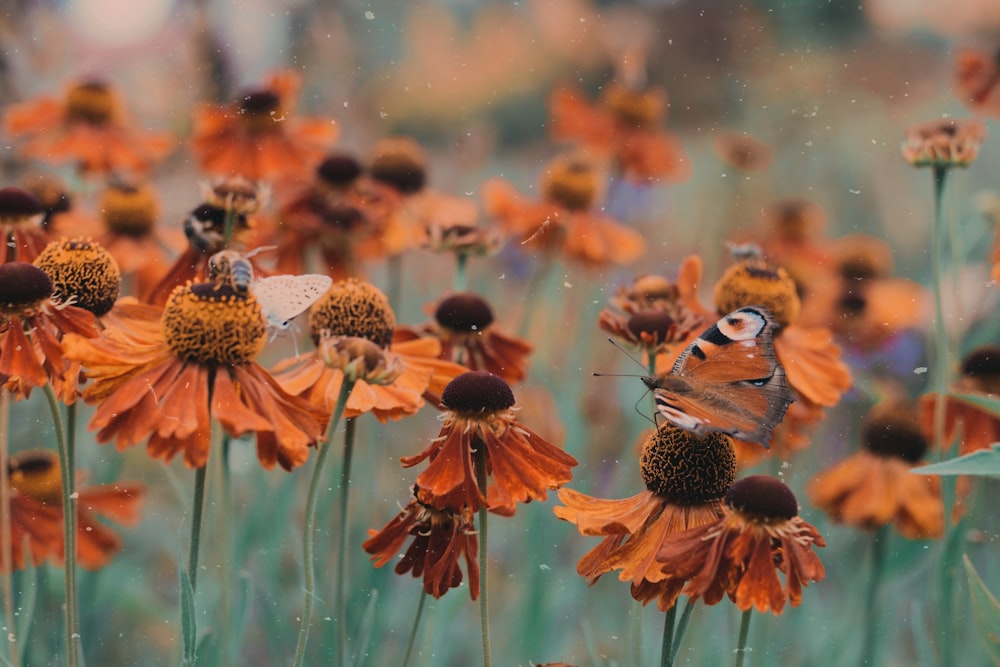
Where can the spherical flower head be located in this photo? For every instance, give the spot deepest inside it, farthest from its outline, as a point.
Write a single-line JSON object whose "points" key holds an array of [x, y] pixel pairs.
{"points": [[82, 272], [981, 370], [18, 207], [686, 469], [236, 194], [360, 359], [259, 109], [893, 431], [130, 209], [399, 162], [480, 429], [91, 102], [23, 288], [742, 553], [212, 324], [51, 193], [634, 108], [647, 291], [862, 257], [35, 473], [338, 171], [571, 182], [943, 143], [754, 282], [464, 313], [353, 308]]}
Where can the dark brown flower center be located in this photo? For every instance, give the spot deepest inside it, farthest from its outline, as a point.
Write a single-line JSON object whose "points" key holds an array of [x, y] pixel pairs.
{"points": [[571, 184], [894, 434], [685, 469], [635, 108], [400, 164], [762, 496], [23, 284], [339, 170], [464, 313], [353, 308], [90, 102], [51, 194], [17, 205], [477, 392], [654, 322], [35, 473], [214, 324], [83, 270], [260, 103], [983, 364]]}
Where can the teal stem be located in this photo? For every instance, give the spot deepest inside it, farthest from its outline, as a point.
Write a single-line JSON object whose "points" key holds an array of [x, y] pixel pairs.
{"points": [[412, 642], [395, 279], [667, 646], [868, 645], [7, 551], [682, 628], [941, 358], [741, 641], [345, 488], [461, 277], [479, 455], [309, 529], [197, 513], [220, 473], [73, 640]]}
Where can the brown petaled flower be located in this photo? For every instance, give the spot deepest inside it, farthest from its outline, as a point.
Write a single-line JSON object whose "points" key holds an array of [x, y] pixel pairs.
{"points": [[742, 151], [392, 378], [977, 80], [686, 478], [466, 328], [740, 554], [259, 136], [480, 422], [59, 214], [874, 486], [36, 512], [441, 538], [624, 127], [21, 225], [567, 219], [943, 143], [88, 128], [32, 323], [82, 273], [167, 383], [977, 426]]}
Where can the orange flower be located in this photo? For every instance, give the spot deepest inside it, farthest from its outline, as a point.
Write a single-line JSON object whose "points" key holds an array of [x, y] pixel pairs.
{"points": [[231, 201], [567, 219], [624, 127], [686, 478], [481, 423], [441, 538], [742, 151], [167, 384], [32, 322], [792, 235], [324, 213], [36, 512], [977, 80], [944, 143], [60, 215], [874, 486], [21, 217], [740, 554], [977, 427], [88, 128], [465, 327], [260, 137], [397, 376]]}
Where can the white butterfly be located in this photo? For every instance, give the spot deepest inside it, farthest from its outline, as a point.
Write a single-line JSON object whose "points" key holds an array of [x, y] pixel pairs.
{"points": [[282, 298]]}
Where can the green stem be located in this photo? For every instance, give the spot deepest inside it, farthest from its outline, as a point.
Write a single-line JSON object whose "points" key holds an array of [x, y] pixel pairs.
{"points": [[741, 642], [73, 641], [197, 513], [871, 621], [220, 474], [941, 361], [395, 278], [345, 488], [412, 642], [682, 628], [484, 608], [667, 647], [461, 277], [7, 553], [309, 529]]}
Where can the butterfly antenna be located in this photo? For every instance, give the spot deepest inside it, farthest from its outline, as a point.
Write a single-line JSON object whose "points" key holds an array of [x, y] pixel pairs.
{"points": [[643, 414], [627, 353]]}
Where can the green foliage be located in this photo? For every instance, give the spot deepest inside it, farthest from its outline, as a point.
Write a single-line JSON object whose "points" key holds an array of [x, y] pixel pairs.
{"points": [[986, 610]]}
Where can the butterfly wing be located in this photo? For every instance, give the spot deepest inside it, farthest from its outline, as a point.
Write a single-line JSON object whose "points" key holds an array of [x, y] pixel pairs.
{"points": [[282, 298], [728, 380]]}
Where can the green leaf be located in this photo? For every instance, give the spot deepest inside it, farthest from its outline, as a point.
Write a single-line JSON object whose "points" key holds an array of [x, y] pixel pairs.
{"points": [[189, 624], [985, 401], [983, 462], [986, 611]]}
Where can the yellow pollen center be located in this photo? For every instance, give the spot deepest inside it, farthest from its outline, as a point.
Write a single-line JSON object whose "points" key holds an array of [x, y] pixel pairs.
{"points": [[212, 324]]}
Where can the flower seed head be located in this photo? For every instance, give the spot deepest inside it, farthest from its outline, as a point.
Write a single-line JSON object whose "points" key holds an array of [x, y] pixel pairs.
{"points": [[570, 182], [90, 102], [755, 282], [981, 367], [477, 393], [338, 170], [19, 207], [893, 431], [214, 324], [763, 497], [400, 163], [685, 469], [23, 285], [654, 322], [353, 308], [464, 313], [35, 473], [83, 270]]}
